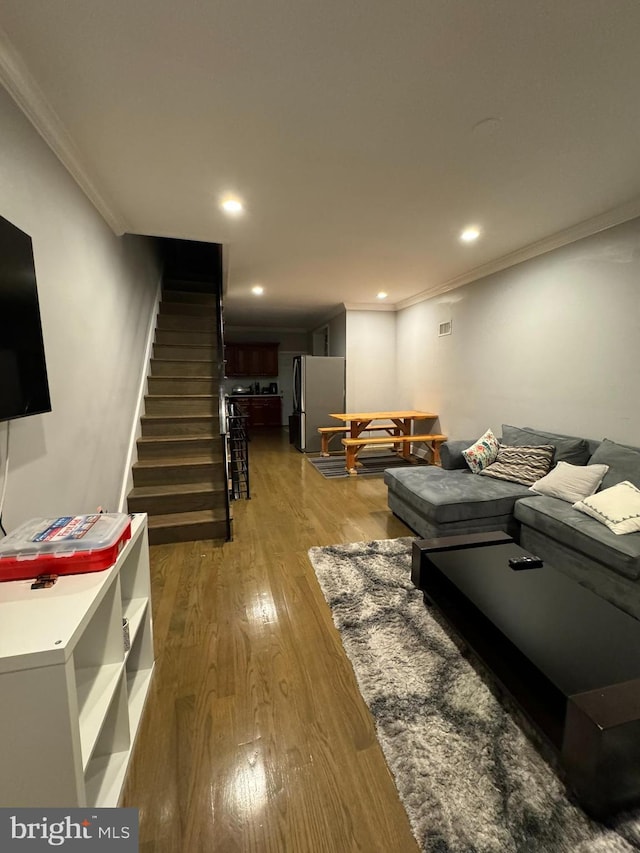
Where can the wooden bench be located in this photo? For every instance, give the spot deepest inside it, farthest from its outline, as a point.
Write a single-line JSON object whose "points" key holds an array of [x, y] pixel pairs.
{"points": [[354, 445], [327, 433]]}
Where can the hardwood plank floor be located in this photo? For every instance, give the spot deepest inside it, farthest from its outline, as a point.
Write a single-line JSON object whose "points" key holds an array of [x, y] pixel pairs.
{"points": [[255, 737]]}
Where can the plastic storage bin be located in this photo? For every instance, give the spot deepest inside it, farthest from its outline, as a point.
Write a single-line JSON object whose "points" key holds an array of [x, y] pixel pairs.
{"points": [[69, 545]]}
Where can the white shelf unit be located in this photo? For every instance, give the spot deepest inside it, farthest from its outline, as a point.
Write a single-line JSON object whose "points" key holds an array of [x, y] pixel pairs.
{"points": [[71, 697]]}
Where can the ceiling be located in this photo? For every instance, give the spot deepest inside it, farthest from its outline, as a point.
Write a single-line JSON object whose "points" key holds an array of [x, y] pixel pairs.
{"points": [[362, 135]]}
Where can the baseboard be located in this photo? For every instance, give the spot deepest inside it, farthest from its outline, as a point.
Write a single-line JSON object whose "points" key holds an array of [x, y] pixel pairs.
{"points": [[127, 477]]}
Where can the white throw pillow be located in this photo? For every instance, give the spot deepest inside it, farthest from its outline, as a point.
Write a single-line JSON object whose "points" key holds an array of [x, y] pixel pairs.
{"points": [[617, 507], [482, 452], [570, 482]]}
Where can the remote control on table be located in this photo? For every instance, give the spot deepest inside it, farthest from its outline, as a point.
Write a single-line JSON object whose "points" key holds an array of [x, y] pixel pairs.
{"points": [[525, 562]]}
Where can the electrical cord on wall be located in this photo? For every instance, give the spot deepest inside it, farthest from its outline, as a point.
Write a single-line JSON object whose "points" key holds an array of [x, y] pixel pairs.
{"points": [[4, 480]]}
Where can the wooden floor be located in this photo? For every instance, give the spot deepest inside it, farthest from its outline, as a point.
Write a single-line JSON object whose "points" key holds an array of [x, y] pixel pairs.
{"points": [[255, 737]]}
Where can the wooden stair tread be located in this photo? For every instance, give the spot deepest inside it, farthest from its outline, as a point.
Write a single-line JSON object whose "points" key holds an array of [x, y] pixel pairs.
{"points": [[188, 345], [187, 308], [155, 439], [188, 339], [178, 519], [173, 489], [180, 396], [178, 416], [185, 361], [197, 297], [179, 460], [182, 376]]}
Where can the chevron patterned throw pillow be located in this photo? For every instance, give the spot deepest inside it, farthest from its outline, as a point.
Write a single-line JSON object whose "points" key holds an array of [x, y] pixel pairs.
{"points": [[521, 464]]}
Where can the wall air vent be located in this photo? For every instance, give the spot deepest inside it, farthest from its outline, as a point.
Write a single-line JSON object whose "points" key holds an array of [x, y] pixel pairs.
{"points": [[444, 328]]}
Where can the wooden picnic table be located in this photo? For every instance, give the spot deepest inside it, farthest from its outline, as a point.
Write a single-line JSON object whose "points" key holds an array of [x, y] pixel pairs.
{"points": [[358, 422]]}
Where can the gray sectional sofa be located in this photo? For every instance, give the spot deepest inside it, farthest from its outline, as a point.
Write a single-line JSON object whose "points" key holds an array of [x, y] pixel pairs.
{"points": [[452, 500]]}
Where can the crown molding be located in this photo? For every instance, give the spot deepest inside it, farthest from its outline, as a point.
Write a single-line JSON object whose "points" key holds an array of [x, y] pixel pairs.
{"points": [[370, 306], [28, 96], [586, 228]]}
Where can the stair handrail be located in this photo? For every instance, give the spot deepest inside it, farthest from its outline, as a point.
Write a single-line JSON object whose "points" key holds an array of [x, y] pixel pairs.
{"points": [[222, 409]]}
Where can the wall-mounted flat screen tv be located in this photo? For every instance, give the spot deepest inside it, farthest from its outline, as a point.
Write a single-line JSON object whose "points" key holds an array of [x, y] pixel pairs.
{"points": [[24, 388]]}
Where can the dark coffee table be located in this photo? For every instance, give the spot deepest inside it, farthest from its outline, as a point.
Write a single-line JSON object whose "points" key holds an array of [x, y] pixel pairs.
{"points": [[569, 658]]}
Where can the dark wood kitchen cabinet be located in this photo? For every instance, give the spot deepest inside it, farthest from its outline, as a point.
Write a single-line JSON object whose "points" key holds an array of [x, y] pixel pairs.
{"points": [[256, 360], [261, 410], [266, 411]]}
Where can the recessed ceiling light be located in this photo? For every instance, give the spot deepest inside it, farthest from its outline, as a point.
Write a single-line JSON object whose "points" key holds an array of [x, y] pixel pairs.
{"points": [[257, 289], [232, 205], [381, 295], [470, 234]]}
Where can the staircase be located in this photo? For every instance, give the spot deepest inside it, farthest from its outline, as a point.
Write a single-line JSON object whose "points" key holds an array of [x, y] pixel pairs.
{"points": [[179, 478]]}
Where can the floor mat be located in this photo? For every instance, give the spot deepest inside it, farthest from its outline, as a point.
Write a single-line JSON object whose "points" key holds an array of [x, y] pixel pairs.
{"points": [[371, 464]]}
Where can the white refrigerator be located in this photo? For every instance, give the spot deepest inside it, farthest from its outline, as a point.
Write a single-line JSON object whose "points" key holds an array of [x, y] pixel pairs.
{"points": [[318, 390]]}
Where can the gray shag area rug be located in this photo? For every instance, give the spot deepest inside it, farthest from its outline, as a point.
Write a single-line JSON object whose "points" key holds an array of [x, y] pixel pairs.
{"points": [[469, 777]]}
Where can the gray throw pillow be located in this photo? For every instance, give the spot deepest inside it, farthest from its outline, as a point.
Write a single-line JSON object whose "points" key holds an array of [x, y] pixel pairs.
{"points": [[623, 462], [451, 457], [569, 449]]}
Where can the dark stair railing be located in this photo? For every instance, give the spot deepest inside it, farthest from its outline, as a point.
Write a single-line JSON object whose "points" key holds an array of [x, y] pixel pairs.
{"points": [[222, 409], [239, 452]]}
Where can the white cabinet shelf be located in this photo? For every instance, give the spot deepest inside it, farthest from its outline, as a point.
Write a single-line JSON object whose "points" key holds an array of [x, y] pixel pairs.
{"points": [[72, 697], [97, 689]]}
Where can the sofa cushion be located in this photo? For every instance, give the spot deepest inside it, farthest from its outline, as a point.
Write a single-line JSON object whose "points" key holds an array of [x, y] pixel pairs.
{"points": [[451, 457], [568, 448], [445, 496], [570, 482], [618, 507], [482, 452], [559, 521], [623, 462], [521, 464]]}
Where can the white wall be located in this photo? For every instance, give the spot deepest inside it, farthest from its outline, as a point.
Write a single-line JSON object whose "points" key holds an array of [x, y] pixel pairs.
{"points": [[371, 361], [338, 335], [552, 343], [96, 293]]}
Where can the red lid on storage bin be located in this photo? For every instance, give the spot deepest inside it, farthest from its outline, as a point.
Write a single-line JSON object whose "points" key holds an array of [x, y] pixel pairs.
{"points": [[70, 544]]}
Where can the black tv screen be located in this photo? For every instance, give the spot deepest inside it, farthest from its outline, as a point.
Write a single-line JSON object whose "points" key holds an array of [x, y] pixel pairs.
{"points": [[24, 389]]}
